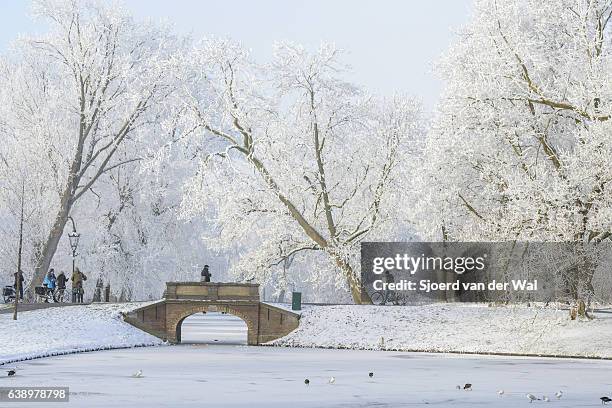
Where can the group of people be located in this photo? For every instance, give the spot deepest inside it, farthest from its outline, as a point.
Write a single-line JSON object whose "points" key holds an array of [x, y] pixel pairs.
{"points": [[54, 283]]}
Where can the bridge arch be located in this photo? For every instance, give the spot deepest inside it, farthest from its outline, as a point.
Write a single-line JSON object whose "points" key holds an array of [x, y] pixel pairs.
{"points": [[174, 324]]}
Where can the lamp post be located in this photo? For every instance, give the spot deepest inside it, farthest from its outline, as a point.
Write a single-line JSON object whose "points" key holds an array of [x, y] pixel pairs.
{"points": [[19, 274], [74, 237]]}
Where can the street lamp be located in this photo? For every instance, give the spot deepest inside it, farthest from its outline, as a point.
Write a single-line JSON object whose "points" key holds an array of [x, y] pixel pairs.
{"points": [[74, 237], [74, 242]]}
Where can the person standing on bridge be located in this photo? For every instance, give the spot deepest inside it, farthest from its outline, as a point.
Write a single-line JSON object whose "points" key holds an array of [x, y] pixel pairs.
{"points": [[205, 274]]}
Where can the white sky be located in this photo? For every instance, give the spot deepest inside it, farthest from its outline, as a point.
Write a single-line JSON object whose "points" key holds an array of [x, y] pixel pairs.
{"points": [[391, 44]]}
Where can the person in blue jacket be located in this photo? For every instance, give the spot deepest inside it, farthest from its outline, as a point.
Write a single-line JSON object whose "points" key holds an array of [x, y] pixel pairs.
{"points": [[50, 282]]}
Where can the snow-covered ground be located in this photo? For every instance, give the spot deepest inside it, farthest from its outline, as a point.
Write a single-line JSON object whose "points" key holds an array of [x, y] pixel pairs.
{"points": [[269, 377], [70, 329], [467, 328], [470, 328]]}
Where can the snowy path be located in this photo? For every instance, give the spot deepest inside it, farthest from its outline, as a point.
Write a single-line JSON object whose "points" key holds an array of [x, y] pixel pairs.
{"points": [[237, 376]]}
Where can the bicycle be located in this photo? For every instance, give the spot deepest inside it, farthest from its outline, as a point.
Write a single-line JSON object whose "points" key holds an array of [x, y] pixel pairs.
{"points": [[60, 295], [8, 294], [381, 298], [43, 294]]}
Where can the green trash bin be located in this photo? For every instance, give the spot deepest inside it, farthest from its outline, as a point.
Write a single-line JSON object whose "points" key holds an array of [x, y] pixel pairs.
{"points": [[296, 301]]}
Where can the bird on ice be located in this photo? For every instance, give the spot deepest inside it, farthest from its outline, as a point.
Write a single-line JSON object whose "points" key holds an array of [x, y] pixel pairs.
{"points": [[458, 387], [306, 381], [500, 392], [559, 394], [370, 374], [532, 398], [545, 398], [332, 380], [467, 387], [137, 374], [605, 400], [12, 372]]}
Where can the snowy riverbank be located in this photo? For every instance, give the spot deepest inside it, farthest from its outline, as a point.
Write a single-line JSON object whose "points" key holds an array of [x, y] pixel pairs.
{"points": [[459, 328], [66, 330]]}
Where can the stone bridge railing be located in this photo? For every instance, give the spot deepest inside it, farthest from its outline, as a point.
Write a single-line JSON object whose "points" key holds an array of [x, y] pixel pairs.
{"points": [[212, 291]]}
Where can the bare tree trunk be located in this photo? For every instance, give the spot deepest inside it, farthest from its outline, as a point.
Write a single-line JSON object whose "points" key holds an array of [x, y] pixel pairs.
{"points": [[450, 277], [586, 291], [50, 245], [445, 276], [358, 292], [360, 296]]}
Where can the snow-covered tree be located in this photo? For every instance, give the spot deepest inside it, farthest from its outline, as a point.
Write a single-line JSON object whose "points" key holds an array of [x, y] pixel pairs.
{"points": [[521, 144], [19, 182], [296, 161], [78, 96]]}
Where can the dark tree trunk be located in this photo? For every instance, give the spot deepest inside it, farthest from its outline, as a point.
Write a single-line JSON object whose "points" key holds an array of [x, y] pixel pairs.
{"points": [[50, 245]]}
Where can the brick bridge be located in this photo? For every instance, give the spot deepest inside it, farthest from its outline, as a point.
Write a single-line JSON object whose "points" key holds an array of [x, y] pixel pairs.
{"points": [[164, 318]]}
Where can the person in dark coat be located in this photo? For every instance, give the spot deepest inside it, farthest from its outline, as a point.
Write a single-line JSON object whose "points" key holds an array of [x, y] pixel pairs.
{"points": [[205, 274], [61, 280], [20, 281]]}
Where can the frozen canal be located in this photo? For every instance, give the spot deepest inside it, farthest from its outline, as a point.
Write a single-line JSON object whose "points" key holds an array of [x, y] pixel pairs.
{"points": [[225, 375], [214, 328]]}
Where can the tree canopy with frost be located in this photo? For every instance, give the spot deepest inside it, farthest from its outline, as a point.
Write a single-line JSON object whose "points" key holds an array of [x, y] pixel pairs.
{"points": [[521, 145], [295, 159]]}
